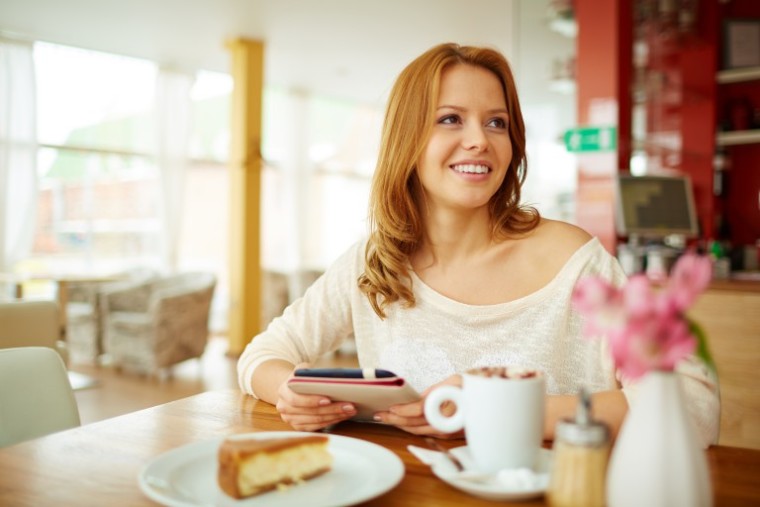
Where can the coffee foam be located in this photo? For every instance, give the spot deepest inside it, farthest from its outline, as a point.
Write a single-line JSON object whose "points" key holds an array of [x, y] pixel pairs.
{"points": [[505, 372]]}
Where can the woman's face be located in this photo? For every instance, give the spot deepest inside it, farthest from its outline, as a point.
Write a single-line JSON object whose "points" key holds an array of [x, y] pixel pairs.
{"points": [[469, 150]]}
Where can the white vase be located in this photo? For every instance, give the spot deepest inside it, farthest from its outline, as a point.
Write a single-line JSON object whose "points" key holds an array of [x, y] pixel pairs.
{"points": [[657, 459]]}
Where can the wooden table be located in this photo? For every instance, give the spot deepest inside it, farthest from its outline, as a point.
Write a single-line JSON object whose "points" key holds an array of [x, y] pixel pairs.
{"points": [[62, 284], [98, 464]]}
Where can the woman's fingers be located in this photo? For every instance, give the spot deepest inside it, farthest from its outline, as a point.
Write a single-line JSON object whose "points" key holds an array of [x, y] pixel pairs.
{"points": [[311, 418], [291, 402], [414, 409], [331, 408], [410, 417], [310, 412]]}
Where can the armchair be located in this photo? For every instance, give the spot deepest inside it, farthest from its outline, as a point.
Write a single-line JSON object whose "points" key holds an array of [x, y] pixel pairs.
{"points": [[150, 326], [84, 313]]}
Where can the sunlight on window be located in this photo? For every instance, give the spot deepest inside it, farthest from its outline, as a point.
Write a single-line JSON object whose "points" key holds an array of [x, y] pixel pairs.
{"points": [[92, 99], [210, 135], [320, 154], [98, 200]]}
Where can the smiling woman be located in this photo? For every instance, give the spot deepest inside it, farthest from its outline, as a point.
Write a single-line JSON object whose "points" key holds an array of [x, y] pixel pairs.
{"points": [[457, 273]]}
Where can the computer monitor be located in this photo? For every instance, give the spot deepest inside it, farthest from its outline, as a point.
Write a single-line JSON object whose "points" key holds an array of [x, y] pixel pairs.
{"points": [[655, 206]]}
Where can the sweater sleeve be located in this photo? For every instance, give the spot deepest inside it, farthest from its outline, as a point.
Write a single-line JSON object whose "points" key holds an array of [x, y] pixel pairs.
{"points": [[316, 323], [699, 384], [700, 388]]}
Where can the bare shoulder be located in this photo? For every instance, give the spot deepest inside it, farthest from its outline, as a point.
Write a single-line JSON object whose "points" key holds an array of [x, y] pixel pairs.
{"points": [[553, 242], [533, 260], [561, 235]]}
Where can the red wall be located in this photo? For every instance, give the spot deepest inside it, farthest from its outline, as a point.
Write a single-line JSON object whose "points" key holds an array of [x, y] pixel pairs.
{"points": [[603, 69], [604, 72]]}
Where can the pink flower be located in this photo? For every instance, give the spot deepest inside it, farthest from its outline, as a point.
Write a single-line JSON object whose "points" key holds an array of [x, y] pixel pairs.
{"points": [[647, 328], [595, 296], [689, 278]]}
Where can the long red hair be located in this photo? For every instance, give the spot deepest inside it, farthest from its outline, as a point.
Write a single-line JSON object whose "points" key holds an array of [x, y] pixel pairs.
{"points": [[397, 227]]}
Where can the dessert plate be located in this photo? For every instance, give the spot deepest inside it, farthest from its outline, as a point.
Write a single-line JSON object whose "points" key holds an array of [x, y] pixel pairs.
{"points": [[186, 476], [512, 485]]}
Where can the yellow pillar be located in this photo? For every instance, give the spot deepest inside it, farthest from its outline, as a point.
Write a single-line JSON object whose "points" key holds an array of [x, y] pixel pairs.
{"points": [[247, 57]]}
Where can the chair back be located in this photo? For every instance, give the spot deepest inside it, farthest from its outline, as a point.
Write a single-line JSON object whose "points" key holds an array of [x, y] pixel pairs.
{"points": [[25, 323], [36, 398]]}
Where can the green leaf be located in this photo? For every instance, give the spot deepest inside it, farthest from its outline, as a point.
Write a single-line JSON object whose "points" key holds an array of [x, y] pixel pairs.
{"points": [[703, 350]]}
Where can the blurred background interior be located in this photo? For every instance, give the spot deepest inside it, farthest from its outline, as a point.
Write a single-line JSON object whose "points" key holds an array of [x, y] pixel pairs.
{"points": [[211, 158]]}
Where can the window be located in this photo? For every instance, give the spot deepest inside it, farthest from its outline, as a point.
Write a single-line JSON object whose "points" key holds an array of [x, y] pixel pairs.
{"points": [[319, 154], [98, 185], [100, 203], [100, 198]]}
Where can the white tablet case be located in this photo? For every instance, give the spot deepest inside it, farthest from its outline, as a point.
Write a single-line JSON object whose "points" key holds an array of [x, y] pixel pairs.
{"points": [[367, 395]]}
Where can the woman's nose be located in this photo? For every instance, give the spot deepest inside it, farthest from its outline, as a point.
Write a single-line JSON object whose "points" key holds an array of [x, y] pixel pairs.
{"points": [[474, 138]]}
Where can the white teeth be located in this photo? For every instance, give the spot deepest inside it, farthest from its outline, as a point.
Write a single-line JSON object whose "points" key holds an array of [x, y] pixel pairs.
{"points": [[471, 168]]}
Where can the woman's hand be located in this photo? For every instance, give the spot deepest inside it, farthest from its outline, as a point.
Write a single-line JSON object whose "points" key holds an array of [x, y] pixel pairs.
{"points": [[310, 412], [410, 417]]}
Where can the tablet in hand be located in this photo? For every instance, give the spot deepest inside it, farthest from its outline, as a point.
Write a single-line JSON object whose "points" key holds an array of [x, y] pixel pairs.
{"points": [[370, 390]]}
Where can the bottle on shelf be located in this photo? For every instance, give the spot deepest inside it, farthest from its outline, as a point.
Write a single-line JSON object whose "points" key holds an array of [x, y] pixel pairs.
{"points": [[721, 164]]}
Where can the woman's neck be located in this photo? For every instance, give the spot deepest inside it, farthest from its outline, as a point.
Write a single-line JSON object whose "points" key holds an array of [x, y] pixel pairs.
{"points": [[454, 236]]}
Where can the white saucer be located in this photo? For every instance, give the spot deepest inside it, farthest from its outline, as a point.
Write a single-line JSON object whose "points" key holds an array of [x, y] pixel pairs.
{"points": [[493, 489]]}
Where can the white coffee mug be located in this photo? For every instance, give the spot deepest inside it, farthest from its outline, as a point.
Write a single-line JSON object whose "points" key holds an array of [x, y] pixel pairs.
{"points": [[502, 413]]}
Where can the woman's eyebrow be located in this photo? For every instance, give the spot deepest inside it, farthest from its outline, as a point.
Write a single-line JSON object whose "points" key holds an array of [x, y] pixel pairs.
{"points": [[499, 110], [446, 106]]}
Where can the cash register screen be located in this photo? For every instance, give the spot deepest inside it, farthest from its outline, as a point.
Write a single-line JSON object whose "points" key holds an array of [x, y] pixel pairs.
{"points": [[655, 206]]}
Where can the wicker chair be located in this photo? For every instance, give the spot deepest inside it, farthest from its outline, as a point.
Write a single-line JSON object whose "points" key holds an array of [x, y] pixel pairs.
{"points": [[149, 327], [84, 315]]}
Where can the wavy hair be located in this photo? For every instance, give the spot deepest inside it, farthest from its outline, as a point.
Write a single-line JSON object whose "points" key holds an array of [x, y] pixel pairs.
{"points": [[395, 208]]}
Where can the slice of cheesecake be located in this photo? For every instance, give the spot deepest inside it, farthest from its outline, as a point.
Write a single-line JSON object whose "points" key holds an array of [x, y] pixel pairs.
{"points": [[248, 467]]}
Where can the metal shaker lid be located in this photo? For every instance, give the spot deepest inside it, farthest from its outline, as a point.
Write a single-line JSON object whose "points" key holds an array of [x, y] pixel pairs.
{"points": [[583, 430]]}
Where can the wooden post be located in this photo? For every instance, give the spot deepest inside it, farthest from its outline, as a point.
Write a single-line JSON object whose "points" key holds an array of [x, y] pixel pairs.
{"points": [[247, 58]]}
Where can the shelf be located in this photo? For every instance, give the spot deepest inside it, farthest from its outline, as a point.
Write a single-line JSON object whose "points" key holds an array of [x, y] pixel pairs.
{"points": [[565, 26], [738, 75], [738, 137]]}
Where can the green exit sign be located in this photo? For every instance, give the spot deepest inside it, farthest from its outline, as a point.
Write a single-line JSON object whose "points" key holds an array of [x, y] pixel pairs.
{"points": [[589, 139]]}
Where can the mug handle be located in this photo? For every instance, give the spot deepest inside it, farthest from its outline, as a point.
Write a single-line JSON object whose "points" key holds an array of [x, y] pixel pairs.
{"points": [[433, 402]]}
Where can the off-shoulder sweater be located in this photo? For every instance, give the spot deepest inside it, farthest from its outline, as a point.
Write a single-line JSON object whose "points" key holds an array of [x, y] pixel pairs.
{"points": [[439, 337]]}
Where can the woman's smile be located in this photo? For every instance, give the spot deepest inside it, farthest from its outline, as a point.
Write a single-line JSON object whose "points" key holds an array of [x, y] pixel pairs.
{"points": [[471, 168]]}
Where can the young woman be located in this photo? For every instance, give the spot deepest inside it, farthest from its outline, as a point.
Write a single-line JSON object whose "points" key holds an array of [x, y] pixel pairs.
{"points": [[456, 272]]}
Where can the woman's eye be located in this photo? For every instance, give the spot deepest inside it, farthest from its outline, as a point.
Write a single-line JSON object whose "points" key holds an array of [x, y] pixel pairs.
{"points": [[500, 123], [449, 119]]}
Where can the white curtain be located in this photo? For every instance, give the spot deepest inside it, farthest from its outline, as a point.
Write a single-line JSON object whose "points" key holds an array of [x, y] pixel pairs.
{"points": [[173, 110], [18, 152]]}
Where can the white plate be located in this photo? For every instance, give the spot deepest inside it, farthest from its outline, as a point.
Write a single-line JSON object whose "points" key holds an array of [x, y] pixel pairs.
{"points": [[492, 489], [186, 476]]}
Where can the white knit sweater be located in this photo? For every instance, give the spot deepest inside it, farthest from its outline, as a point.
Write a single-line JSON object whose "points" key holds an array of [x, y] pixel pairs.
{"points": [[440, 337]]}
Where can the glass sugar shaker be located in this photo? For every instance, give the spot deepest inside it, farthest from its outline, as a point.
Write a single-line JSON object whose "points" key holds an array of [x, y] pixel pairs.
{"points": [[581, 453]]}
